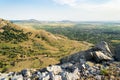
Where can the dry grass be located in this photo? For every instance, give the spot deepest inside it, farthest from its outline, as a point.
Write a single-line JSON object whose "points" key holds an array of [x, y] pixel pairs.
{"points": [[35, 62], [47, 48]]}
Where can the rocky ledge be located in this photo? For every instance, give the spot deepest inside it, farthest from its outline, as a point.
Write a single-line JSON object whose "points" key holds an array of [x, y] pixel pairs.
{"points": [[97, 63]]}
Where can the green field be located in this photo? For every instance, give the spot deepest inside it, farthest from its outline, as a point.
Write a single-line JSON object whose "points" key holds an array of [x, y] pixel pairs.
{"points": [[92, 32]]}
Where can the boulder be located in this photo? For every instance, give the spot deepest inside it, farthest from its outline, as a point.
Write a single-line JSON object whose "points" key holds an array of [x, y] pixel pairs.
{"points": [[103, 46], [99, 56]]}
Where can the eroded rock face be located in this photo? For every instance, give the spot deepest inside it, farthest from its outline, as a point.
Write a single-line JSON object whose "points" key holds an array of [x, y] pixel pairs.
{"points": [[101, 52], [98, 53], [103, 46], [100, 56]]}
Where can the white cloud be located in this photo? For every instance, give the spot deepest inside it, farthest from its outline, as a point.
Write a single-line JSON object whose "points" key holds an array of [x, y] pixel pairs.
{"points": [[66, 2], [76, 3], [105, 10], [91, 4]]}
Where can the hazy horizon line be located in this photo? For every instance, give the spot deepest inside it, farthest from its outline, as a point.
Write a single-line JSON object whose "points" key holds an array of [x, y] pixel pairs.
{"points": [[66, 20]]}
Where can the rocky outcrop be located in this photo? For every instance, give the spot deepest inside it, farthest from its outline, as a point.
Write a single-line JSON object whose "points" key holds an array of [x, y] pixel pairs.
{"points": [[103, 46], [98, 53], [100, 56], [69, 71], [75, 67]]}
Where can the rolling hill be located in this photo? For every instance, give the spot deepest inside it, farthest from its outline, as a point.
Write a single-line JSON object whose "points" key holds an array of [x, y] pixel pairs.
{"points": [[29, 48]]}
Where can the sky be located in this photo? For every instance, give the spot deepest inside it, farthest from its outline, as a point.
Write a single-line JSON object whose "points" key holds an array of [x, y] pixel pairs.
{"points": [[56, 10]]}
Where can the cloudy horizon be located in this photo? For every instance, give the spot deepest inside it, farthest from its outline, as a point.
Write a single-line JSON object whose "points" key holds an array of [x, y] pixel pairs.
{"points": [[52, 10]]}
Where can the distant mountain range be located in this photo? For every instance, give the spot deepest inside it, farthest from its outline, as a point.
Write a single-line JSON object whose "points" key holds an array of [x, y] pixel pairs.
{"points": [[62, 21]]}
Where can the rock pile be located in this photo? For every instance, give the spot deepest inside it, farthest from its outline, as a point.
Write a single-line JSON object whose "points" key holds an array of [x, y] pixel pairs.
{"points": [[69, 71], [75, 67]]}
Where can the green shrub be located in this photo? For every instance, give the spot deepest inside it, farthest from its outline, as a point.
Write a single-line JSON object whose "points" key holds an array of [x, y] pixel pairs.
{"points": [[104, 72], [5, 69]]}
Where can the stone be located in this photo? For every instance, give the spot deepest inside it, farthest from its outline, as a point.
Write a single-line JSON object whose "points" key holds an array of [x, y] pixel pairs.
{"points": [[103, 46], [4, 76], [76, 71], [90, 63], [83, 66], [101, 52], [47, 77], [112, 77], [36, 75], [86, 65], [99, 56], [44, 76], [54, 68], [26, 73], [69, 76], [17, 77], [92, 71], [57, 77], [98, 77], [82, 61], [65, 65]]}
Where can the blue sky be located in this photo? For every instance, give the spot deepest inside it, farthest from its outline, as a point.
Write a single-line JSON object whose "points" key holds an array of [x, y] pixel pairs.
{"points": [[76, 10]]}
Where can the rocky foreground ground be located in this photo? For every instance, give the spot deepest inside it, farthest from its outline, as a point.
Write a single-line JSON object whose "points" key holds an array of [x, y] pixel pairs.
{"points": [[97, 63]]}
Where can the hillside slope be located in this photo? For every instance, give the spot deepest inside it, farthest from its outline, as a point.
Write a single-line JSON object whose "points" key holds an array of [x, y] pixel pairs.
{"points": [[28, 48]]}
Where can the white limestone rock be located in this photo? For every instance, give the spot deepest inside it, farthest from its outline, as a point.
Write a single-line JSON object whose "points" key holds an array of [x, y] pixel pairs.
{"points": [[55, 69]]}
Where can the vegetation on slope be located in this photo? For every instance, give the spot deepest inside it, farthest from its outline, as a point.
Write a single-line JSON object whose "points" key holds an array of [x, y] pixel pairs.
{"points": [[28, 48], [92, 32], [84, 31]]}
